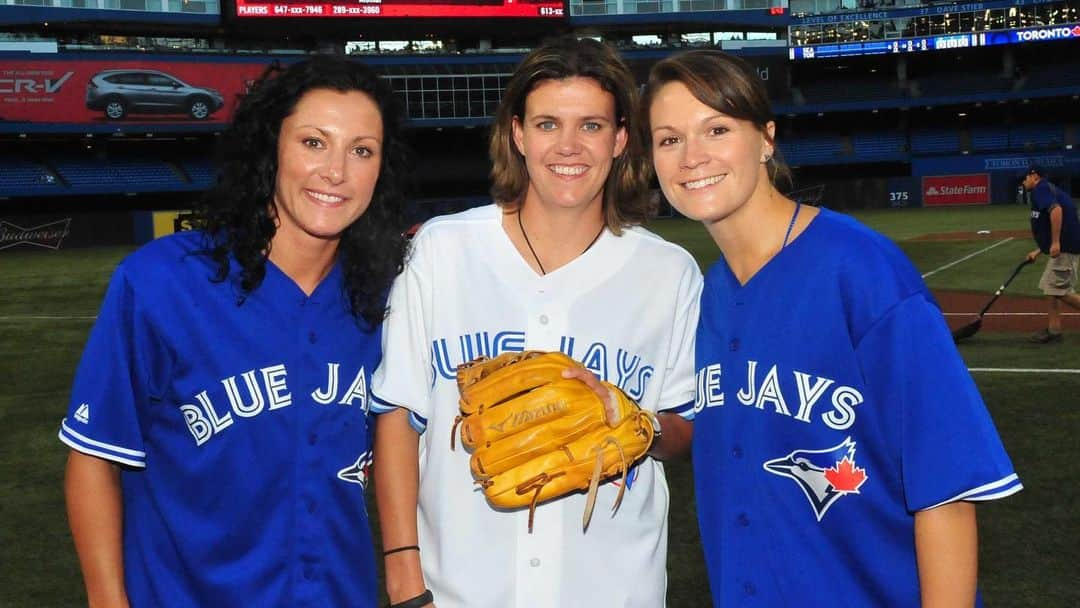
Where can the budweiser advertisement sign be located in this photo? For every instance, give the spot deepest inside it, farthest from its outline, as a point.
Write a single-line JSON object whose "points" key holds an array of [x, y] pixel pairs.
{"points": [[48, 235], [956, 189]]}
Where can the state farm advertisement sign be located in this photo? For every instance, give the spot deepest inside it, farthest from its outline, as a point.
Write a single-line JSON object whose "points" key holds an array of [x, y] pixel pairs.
{"points": [[121, 91], [956, 189]]}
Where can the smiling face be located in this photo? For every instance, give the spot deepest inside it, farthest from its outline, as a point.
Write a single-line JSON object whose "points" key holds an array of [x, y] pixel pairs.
{"points": [[568, 137], [329, 154], [709, 165]]}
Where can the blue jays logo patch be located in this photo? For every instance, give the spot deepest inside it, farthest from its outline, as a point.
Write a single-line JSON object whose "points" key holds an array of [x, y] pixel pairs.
{"points": [[824, 475], [357, 472]]}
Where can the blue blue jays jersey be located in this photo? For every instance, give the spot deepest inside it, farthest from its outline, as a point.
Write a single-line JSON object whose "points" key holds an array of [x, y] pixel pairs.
{"points": [[242, 430], [831, 406]]}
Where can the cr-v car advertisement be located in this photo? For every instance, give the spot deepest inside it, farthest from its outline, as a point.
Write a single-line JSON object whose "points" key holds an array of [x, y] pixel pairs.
{"points": [[119, 92]]}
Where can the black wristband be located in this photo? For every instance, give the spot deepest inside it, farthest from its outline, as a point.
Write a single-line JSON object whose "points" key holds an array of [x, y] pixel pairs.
{"points": [[419, 601], [399, 549]]}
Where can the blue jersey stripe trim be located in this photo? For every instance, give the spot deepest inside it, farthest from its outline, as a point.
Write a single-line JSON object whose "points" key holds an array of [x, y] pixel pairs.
{"points": [[996, 495], [378, 408], [686, 410], [418, 422], [996, 489], [382, 406], [75, 435], [79, 447]]}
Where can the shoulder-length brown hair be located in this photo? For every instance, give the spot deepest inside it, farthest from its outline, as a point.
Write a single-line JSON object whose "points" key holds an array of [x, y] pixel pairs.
{"points": [[726, 84], [625, 203]]}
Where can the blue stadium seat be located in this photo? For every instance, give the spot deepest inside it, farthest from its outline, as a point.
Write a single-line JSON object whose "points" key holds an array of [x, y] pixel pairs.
{"points": [[813, 151], [935, 141], [19, 177], [1036, 137], [989, 139], [880, 146]]}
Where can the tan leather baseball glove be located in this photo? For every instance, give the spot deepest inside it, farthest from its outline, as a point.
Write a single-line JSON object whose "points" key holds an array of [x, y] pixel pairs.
{"points": [[536, 436]]}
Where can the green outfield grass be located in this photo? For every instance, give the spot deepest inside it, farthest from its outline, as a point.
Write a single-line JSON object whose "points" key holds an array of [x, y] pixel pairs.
{"points": [[1029, 542]]}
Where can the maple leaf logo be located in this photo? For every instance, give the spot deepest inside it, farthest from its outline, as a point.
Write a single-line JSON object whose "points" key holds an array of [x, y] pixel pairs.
{"points": [[845, 477]]}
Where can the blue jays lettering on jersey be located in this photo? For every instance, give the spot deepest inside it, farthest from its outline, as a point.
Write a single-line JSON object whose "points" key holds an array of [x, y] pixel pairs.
{"points": [[627, 309], [831, 406], [242, 430], [1044, 197]]}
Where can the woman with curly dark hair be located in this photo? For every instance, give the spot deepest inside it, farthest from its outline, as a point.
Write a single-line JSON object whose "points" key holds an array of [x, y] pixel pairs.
{"points": [[218, 420]]}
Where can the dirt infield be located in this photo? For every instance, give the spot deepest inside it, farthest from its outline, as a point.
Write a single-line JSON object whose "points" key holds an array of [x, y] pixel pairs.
{"points": [[1009, 313], [969, 235]]}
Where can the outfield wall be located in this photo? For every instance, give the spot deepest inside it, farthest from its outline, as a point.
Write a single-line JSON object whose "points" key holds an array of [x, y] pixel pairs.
{"points": [[988, 179]]}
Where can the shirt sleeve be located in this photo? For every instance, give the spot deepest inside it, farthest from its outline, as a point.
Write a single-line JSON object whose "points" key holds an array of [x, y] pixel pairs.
{"points": [[113, 380], [1043, 196], [404, 378], [679, 389], [949, 449]]}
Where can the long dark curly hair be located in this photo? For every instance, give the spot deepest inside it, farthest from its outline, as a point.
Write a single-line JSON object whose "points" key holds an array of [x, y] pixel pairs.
{"points": [[237, 215]]}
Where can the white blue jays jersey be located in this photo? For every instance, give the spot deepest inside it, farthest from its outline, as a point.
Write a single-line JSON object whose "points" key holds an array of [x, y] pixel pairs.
{"points": [[627, 308], [242, 430], [831, 406]]}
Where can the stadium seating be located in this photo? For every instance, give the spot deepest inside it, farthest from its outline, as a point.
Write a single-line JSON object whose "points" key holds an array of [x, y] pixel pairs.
{"points": [[1036, 137], [990, 139], [935, 141], [87, 175], [25, 178], [878, 147], [813, 151]]}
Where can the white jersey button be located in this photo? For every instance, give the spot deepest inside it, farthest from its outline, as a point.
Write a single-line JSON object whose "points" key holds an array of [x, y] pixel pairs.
{"points": [[543, 319], [534, 562]]}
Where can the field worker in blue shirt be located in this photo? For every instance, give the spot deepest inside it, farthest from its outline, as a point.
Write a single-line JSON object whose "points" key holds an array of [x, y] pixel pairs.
{"points": [[1056, 229]]}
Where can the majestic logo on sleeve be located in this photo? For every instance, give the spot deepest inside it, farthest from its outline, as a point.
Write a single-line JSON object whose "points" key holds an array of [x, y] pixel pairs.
{"points": [[823, 475], [357, 472]]}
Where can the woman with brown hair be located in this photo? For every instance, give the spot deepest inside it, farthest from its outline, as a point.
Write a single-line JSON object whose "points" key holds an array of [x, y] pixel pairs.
{"points": [[558, 263], [839, 441]]}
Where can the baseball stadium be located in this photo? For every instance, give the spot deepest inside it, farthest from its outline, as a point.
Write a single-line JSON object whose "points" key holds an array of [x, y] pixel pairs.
{"points": [[922, 119]]}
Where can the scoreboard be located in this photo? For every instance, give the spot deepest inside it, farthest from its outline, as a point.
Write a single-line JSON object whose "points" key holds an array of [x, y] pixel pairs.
{"points": [[292, 9], [936, 43]]}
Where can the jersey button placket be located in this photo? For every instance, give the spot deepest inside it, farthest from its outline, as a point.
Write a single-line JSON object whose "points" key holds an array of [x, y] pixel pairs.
{"points": [[544, 324], [309, 362]]}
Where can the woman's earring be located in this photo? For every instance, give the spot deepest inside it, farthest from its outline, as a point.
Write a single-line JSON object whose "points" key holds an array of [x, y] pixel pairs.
{"points": [[766, 158]]}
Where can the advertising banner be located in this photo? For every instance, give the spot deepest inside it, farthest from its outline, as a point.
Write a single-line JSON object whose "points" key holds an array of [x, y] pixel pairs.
{"points": [[53, 231], [956, 189], [121, 91]]}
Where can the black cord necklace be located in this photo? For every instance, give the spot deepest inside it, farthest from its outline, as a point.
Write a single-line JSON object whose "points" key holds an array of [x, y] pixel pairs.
{"points": [[533, 251]]}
